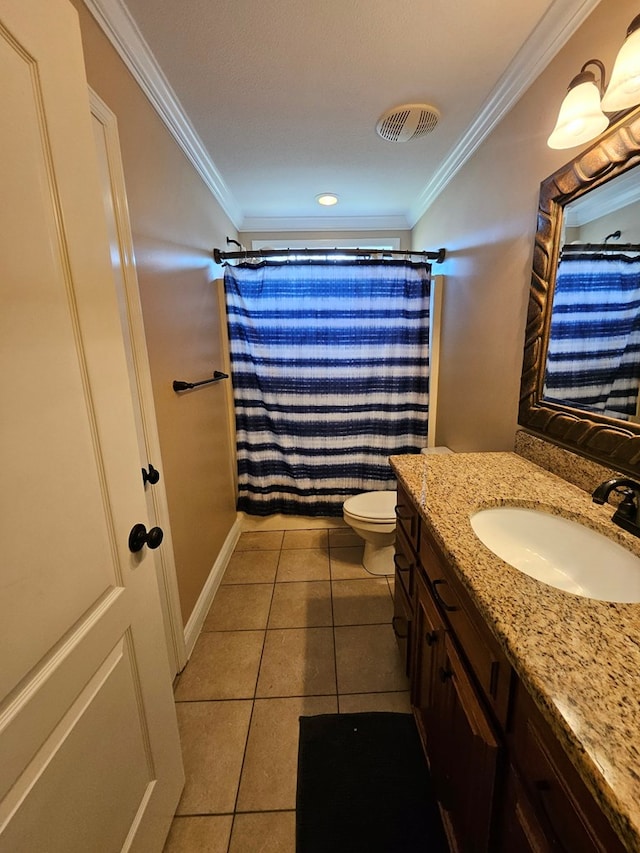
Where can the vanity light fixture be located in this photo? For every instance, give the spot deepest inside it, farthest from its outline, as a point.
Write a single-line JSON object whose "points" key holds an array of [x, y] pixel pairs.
{"points": [[581, 115], [327, 199], [580, 118], [623, 90]]}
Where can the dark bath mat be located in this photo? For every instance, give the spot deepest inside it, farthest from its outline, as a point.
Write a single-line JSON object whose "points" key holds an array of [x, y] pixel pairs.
{"points": [[364, 787]]}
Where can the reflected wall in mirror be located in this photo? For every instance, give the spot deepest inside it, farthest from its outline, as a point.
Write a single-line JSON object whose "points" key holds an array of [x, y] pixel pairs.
{"points": [[581, 367]]}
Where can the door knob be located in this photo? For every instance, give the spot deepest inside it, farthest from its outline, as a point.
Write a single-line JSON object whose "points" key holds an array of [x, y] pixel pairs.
{"points": [[139, 537], [150, 476]]}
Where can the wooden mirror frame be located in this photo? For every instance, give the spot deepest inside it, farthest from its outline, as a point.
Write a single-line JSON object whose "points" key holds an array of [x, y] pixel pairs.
{"points": [[611, 442]]}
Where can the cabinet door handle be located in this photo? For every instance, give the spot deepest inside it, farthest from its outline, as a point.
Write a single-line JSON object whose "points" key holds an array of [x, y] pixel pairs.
{"points": [[445, 674], [431, 637], [401, 563], [395, 630], [436, 594], [399, 513]]}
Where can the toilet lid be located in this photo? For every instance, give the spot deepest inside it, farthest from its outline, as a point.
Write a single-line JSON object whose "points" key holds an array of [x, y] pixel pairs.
{"points": [[380, 506]]}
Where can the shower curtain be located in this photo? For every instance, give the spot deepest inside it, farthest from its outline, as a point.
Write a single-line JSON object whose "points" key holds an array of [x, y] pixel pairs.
{"points": [[593, 359], [330, 376]]}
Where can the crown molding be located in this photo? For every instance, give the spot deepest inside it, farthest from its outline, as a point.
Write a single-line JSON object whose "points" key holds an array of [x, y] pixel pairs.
{"points": [[558, 24], [254, 224], [603, 200], [117, 24]]}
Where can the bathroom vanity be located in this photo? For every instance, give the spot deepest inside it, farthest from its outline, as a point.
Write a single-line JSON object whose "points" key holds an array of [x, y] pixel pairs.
{"points": [[527, 698]]}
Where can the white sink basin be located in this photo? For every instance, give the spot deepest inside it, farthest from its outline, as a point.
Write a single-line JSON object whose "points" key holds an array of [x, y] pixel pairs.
{"points": [[560, 552]]}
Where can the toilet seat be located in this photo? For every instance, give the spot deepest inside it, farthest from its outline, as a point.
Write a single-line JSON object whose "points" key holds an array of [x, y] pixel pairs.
{"points": [[374, 507]]}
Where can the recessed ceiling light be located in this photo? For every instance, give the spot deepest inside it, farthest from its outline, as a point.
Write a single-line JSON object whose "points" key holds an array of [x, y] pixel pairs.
{"points": [[327, 199]]}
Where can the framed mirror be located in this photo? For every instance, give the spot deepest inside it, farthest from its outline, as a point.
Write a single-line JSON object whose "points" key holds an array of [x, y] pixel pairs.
{"points": [[581, 365]]}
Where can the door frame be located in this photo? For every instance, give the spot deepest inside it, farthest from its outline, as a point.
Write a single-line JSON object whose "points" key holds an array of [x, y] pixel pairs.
{"points": [[128, 294]]}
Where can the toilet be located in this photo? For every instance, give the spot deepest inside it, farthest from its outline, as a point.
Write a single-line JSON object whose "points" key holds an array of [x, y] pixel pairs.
{"points": [[372, 515]]}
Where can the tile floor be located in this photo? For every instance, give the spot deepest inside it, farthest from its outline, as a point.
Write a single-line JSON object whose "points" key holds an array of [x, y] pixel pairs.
{"points": [[298, 627]]}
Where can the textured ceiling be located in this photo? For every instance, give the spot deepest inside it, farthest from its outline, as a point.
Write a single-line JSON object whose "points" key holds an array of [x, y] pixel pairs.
{"points": [[285, 95]]}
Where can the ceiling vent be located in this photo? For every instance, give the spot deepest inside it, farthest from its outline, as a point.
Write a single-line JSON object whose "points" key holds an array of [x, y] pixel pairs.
{"points": [[408, 121]]}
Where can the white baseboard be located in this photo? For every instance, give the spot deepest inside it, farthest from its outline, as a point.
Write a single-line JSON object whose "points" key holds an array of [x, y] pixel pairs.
{"points": [[196, 620]]}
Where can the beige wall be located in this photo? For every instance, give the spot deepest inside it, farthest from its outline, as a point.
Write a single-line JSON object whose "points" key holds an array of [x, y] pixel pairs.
{"points": [[486, 217], [626, 220], [358, 237], [176, 222]]}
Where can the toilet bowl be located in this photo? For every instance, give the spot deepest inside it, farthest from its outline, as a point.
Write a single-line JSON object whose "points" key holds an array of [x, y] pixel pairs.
{"points": [[372, 515]]}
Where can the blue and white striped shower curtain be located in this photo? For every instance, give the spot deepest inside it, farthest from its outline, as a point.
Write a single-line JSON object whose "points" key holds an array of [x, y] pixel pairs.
{"points": [[593, 359], [330, 375]]}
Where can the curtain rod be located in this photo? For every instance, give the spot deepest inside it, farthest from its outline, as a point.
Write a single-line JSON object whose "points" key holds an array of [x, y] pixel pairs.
{"points": [[373, 254], [570, 248]]}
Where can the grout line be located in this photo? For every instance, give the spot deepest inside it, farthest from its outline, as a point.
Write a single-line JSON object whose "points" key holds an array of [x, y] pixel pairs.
{"points": [[253, 705], [289, 696], [333, 629], [267, 811], [203, 814], [331, 625], [225, 699]]}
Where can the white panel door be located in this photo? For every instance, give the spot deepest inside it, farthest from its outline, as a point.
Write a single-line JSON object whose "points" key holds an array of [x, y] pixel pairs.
{"points": [[89, 750], [125, 281]]}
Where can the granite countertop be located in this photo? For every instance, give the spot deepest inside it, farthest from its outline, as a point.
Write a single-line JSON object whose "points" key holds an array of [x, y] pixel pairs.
{"points": [[578, 657]]}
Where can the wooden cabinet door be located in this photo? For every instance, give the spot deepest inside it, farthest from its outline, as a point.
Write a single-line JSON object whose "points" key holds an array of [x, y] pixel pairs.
{"points": [[402, 624], [566, 810], [458, 736], [468, 753], [407, 517], [520, 828], [429, 632]]}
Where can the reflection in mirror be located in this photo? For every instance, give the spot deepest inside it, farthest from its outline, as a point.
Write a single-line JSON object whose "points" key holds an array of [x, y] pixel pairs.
{"points": [[585, 396], [593, 355]]}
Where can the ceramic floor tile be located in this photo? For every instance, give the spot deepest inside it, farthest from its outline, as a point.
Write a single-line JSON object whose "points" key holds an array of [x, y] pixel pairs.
{"points": [[240, 608], [269, 773], [355, 703], [346, 563], [260, 540], [251, 567], [306, 539], [361, 602], [343, 537], [368, 660], [303, 604], [303, 564], [199, 834], [223, 665], [213, 737], [297, 662], [266, 832]]}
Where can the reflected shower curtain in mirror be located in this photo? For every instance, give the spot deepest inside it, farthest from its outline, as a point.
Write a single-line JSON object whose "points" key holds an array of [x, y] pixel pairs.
{"points": [[330, 377], [593, 359]]}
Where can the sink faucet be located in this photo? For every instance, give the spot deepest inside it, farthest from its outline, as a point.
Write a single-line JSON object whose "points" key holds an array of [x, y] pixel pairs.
{"points": [[627, 515]]}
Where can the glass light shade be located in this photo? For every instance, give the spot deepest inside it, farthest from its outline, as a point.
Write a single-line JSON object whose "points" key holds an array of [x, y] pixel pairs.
{"points": [[623, 90], [580, 118]]}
